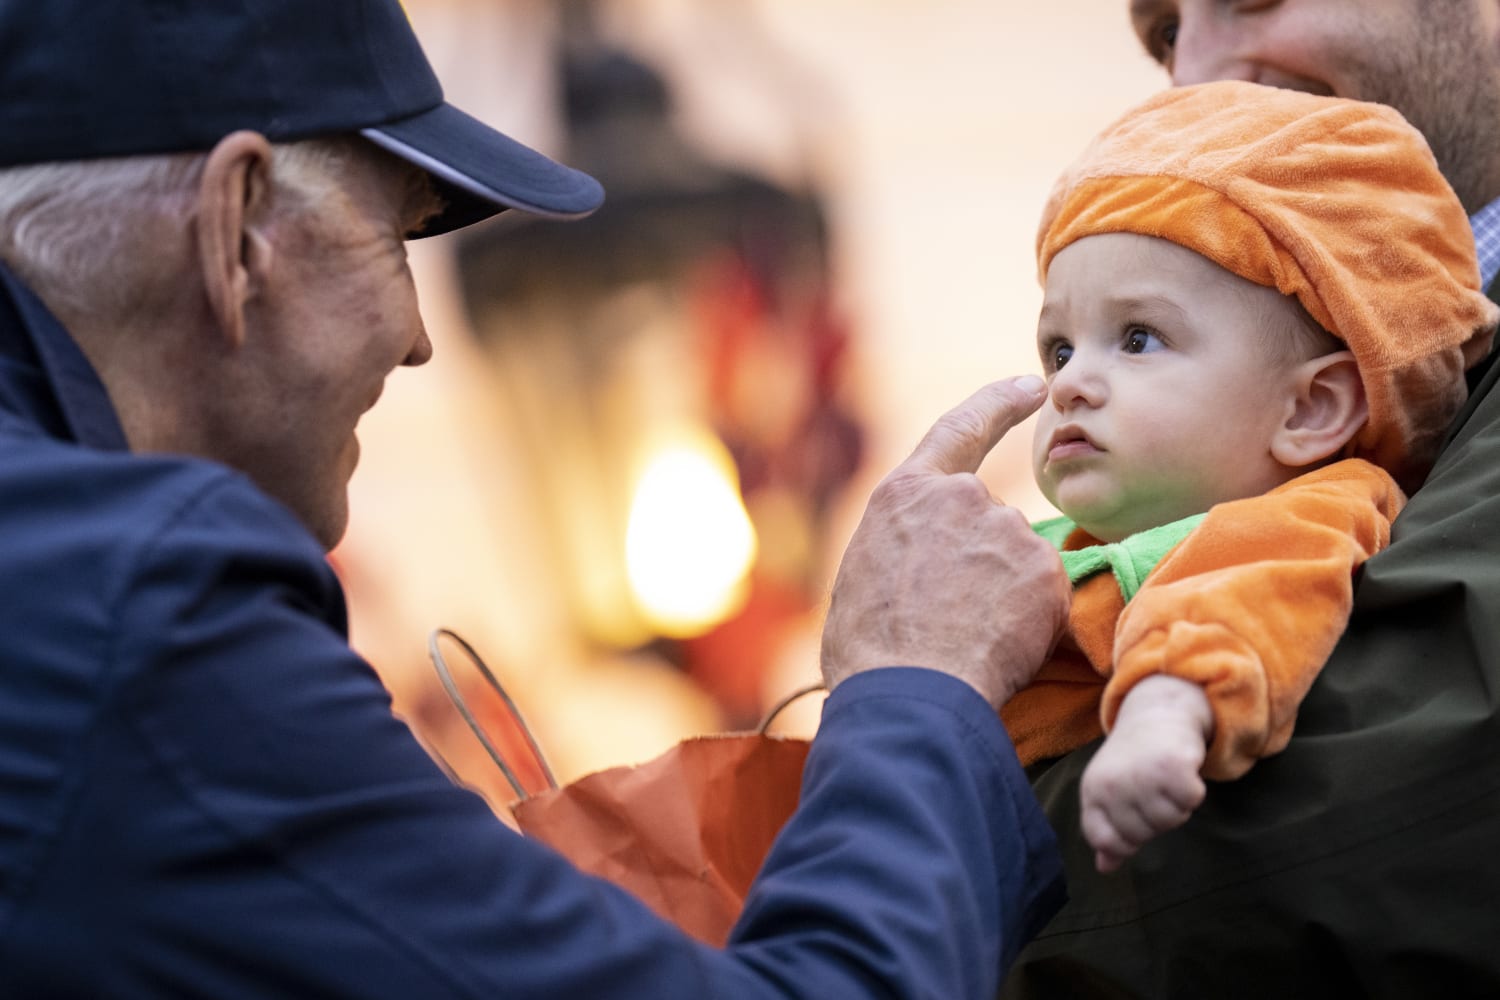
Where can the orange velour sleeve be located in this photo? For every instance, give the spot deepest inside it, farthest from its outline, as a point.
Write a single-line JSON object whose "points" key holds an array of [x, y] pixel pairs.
{"points": [[1249, 605]]}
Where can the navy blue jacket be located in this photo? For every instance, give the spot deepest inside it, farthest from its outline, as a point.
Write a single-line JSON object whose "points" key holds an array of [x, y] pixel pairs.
{"points": [[203, 791]]}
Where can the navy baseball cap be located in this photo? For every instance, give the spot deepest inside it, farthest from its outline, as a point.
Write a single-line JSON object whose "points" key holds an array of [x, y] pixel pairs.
{"points": [[82, 79]]}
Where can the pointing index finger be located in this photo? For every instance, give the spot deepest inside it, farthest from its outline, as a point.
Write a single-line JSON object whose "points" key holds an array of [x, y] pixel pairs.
{"points": [[963, 436]]}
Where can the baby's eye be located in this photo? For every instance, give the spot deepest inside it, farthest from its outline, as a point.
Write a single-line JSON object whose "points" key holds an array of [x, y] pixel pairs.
{"points": [[1139, 340], [1058, 355]]}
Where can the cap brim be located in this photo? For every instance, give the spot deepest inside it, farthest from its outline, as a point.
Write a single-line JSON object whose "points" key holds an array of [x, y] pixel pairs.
{"points": [[482, 171]]}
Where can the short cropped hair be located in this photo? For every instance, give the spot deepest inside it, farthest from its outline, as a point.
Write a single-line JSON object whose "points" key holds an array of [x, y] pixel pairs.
{"points": [[81, 233]]}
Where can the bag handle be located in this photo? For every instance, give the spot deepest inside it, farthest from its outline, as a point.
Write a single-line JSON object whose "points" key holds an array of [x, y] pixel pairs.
{"points": [[776, 709], [440, 664]]}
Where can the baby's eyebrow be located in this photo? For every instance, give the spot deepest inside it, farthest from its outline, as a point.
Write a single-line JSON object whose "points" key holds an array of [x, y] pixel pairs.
{"points": [[1148, 304]]}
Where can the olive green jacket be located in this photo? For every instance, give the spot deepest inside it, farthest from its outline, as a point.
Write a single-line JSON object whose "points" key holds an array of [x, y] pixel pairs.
{"points": [[1364, 860]]}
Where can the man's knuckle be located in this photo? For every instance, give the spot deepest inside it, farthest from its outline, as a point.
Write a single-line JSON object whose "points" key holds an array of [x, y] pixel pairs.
{"points": [[896, 488], [962, 425]]}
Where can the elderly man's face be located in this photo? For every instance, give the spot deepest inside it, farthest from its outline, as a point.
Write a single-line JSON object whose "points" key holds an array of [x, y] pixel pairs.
{"points": [[338, 314], [1435, 61]]}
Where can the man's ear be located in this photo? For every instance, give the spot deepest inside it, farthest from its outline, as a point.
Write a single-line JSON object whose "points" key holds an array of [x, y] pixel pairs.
{"points": [[1326, 409], [233, 251]]}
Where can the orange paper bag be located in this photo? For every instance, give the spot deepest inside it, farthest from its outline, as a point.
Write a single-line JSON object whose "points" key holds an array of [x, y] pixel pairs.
{"points": [[686, 832]]}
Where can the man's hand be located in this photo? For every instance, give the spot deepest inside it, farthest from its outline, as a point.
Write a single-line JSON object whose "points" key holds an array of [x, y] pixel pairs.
{"points": [[1144, 780], [939, 574]]}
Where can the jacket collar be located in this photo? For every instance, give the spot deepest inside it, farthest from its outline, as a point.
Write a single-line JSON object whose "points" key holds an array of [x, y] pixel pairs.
{"points": [[44, 376]]}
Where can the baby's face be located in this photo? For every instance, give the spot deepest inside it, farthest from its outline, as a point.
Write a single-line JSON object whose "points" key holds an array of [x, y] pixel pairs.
{"points": [[1166, 384]]}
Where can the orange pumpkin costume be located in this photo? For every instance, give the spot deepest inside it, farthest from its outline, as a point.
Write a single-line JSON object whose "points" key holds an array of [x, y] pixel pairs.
{"points": [[1248, 606], [1340, 204]]}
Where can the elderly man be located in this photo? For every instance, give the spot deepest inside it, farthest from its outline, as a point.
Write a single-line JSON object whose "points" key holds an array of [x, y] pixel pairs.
{"points": [[202, 287], [1360, 862]]}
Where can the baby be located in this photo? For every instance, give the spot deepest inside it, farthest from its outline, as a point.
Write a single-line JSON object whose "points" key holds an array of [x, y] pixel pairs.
{"points": [[1259, 306]]}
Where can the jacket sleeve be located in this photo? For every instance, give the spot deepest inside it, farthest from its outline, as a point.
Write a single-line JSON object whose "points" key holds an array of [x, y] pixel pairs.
{"points": [[273, 829], [1251, 604]]}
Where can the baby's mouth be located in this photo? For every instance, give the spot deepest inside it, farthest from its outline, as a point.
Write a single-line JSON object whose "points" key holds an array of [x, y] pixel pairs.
{"points": [[1070, 442]]}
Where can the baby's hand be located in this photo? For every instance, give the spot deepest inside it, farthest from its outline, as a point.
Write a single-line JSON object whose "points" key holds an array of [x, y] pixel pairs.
{"points": [[1144, 780]]}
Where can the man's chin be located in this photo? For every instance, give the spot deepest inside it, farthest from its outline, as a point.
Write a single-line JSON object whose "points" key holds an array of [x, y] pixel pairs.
{"points": [[330, 538], [326, 518]]}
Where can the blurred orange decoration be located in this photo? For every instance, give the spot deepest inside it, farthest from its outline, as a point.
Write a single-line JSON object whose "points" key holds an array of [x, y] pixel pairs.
{"points": [[773, 359], [675, 363]]}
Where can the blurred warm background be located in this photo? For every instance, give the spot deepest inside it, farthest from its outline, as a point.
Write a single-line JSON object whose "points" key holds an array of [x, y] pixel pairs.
{"points": [[628, 473]]}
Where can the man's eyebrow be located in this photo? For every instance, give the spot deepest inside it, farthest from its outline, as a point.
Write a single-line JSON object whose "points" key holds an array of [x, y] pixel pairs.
{"points": [[1140, 9]]}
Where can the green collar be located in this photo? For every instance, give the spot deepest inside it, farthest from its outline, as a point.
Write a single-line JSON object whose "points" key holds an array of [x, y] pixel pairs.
{"points": [[1130, 559]]}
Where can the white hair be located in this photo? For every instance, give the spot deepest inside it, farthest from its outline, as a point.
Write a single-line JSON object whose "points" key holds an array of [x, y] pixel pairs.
{"points": [[87, 235]]}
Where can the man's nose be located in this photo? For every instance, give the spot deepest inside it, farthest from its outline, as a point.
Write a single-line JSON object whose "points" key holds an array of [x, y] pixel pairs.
{"points": [[1206, 51], [421, 348]]}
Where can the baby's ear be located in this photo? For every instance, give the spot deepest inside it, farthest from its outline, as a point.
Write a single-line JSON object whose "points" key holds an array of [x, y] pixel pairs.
{"points": [[1326, 409]]}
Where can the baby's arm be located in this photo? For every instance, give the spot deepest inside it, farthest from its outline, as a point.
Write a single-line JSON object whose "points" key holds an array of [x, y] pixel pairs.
{"points": [[1249, 606], [1145, 779]]}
